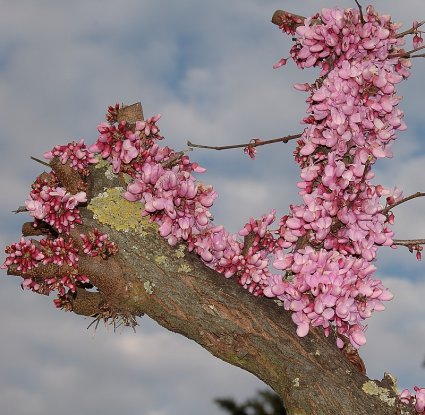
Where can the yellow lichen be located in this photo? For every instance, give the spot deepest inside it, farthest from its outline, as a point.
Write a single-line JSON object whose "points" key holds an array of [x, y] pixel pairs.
{"points": [[161, 260], [149, 287], [296, 382], [112, 209], [109, 174], [371, 388], [102, 164], [179, 253], [184, 268]]}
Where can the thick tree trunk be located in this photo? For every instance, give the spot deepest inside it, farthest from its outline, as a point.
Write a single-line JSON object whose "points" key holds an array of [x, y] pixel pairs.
{"points": [[177, 290]]}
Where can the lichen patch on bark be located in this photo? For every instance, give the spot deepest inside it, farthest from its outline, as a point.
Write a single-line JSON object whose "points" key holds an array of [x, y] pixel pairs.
{"points": [[110, 208], [371, 388]]}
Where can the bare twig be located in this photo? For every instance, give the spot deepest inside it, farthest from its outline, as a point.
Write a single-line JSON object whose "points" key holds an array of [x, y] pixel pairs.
{"points": [[405, 199], [406, 54], [251, 144], [411, 30], [20, 209], [360, 11], [40, 161], [409, 242]]}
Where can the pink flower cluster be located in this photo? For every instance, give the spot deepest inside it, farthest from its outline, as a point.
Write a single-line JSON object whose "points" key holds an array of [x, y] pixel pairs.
{"points": [[75, 154], [333, 236], [340, 34], [24, 254], [27, 255], [53, 204], [96, 243], [59, 251], [172, 197], [64, 285], [119, 143], [325, 288], [163, 182]]}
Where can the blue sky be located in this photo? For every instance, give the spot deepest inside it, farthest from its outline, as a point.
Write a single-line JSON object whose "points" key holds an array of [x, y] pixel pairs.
{"points": [[207, 67]]}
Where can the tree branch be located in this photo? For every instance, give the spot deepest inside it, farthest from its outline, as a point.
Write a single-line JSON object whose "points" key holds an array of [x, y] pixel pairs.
{"points": [[176, 289]]}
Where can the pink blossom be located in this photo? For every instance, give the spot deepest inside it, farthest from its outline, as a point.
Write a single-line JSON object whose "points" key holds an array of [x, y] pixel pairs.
{"points": [[417, 41], [280, 63], [55, 206], [74, 153], [405, 396], [24, 254], [58, 251]]}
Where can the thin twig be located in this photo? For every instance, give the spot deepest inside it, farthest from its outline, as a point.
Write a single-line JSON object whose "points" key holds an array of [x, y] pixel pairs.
{"points": [[360, 11], [40, 161], [411, 30], [405, 199], [251, 144], [406, 54], [422, 55], [409, 242], [20, 209]]}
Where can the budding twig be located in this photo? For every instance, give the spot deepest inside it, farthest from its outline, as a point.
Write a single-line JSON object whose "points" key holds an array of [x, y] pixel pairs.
{"points": [[254, 143], [405, 199], [411, 30]]}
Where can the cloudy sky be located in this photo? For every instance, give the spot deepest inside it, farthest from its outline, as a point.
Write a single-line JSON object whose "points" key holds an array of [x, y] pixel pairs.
{"points": [[207, 67]]}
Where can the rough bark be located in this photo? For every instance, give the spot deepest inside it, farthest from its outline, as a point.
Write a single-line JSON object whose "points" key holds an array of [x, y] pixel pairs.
{"points": [[177, 290]]}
